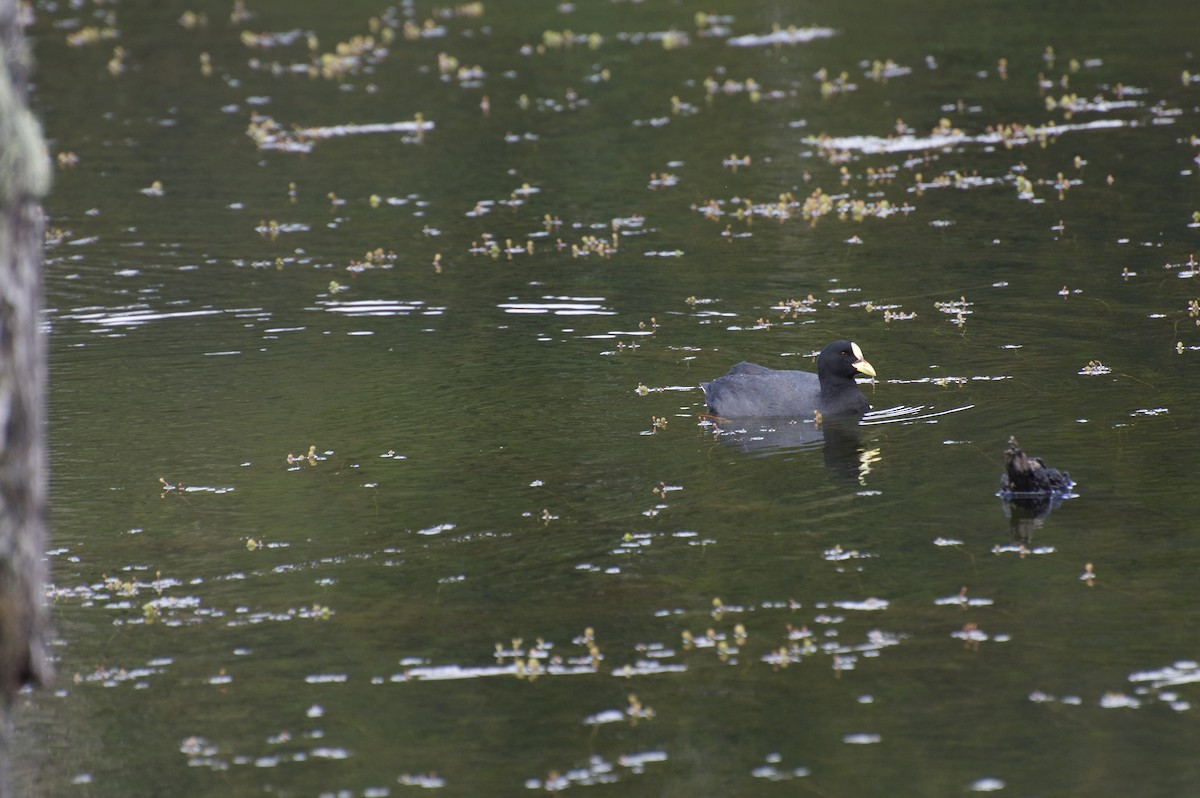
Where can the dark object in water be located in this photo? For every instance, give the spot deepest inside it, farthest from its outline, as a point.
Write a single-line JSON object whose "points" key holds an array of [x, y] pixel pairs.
{"points": [[1025, 475], [1029, 491], [839, 440], [749, 390]]}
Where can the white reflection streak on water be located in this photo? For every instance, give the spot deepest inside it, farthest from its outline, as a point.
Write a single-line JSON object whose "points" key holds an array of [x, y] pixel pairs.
{"points": [[875, 145], [901, 414], [128, 317], [560, 306], [383, 307]]}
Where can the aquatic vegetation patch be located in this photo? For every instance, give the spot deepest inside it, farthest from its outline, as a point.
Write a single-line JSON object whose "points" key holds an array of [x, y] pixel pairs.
{"points": [[961, 599], [796, 643], [284, 748], [638, 543], [815, 206], [633, 713], [972, 636], [959, 309], [358, 54], [373, 259], [589, 244], [169, 487], [117, 676], [598, 770], [1095, 368], [273, 229], [564, 40], [885, 70], [1150, 686], [1021, 550], [839, 554], [312, 458], [429, 781]]}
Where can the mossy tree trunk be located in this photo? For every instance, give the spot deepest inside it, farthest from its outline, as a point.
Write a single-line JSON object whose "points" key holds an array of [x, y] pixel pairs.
{"points": [[24, 180]]}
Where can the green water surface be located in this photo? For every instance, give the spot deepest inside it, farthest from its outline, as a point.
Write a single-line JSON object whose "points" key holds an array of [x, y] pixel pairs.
{"points": [[509, 449]]}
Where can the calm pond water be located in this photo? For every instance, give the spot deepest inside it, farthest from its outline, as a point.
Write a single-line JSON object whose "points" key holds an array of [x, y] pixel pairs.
{"points": [[476, 259]]}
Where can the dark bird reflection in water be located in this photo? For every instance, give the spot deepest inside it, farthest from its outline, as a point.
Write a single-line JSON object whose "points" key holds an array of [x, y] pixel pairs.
{"points": [[1030, 490], [840, 440], [839, 437]]}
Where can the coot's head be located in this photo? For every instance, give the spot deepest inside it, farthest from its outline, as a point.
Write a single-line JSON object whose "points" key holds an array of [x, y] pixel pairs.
{"points": [[844, 360]]}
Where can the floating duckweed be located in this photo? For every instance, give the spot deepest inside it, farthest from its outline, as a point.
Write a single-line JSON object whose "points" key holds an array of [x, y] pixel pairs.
{"points": [[1117, 700], [839, 85], [662, 180], [672, 39], [882, 71], [272, 229], [814, 207], [637, 711], [892, 315], [794, 307], [92, 35], [191, 20], [959, 309], [566, 39], [374, 259], [312, 457], [734, 161], [1088, 575], [447, 64]]}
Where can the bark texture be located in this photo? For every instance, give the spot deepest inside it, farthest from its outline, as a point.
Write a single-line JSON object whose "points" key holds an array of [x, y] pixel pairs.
{"points": [[24, 180]]}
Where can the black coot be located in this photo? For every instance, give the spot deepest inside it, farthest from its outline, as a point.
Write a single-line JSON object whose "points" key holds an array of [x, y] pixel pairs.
{"points": [[1024, 474], [750, 390], [1029, 490]]}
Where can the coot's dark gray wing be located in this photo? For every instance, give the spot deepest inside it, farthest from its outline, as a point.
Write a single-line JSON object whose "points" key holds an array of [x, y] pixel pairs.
{"points": [[749, 390]]}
